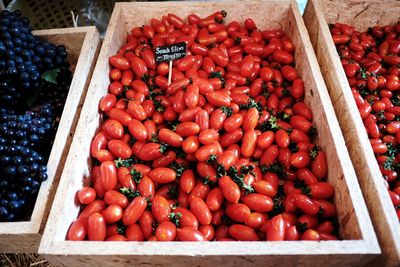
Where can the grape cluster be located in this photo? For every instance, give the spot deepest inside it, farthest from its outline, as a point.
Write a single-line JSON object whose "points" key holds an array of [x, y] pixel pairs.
{"points": [[56, 93], [23, 166], [23, 58], [30, 104]]}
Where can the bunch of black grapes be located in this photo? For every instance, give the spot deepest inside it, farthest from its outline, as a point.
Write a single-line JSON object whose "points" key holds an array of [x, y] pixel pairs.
{"points": [[34, 84]]}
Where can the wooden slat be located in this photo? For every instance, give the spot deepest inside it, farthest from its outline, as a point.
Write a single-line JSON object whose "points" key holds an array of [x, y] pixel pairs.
{"points": [[82, 45], [361, 245], [361, 14]]}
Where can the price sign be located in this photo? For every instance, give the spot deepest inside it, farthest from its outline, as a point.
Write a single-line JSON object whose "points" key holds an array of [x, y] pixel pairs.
{"points": [[170, 52]]}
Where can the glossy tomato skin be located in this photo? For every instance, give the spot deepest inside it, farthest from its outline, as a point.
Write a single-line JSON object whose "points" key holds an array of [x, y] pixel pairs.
{"points": [[160, 208], [200, 209], [96, 227], [265, 139], [188, 219], [107, 102], [113, 197], [99, 142], [86, 195], [112, 214], [170, 137], [150, 151], [242, 233], [310, 235], [166, 231], [138, 130], [146, 223], [96, 206], [238, 212], [215, 199], [258, 202], [305, 204], [319, 165], [134, 233], [119, 149], [189, 234], [162, 175], [229, 189], [134, 211], [108, 174], [249, 142], [77, 231], [276, 229], [187, 181], [207, 231]]}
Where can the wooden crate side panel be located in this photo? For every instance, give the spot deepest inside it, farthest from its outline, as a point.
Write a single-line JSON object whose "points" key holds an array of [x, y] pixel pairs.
{"points": [[299, 253], [207, 261], [340, 171], [277, 11], [65, 209], [361, 14], [383, 215], [25, 236]]}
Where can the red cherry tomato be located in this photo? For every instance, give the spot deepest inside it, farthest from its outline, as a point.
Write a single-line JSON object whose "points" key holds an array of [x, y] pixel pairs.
{"points": [[242, 233], [77, 231], [96, 227], [134, 211]]}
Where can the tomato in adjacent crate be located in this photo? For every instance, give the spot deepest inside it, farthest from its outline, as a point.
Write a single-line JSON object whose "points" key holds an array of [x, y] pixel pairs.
{"points": [[373, 69]]}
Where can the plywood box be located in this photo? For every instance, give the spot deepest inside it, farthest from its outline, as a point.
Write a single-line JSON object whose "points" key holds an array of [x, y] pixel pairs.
{"points": [[361, 15], [82, 45], [359, 244]]}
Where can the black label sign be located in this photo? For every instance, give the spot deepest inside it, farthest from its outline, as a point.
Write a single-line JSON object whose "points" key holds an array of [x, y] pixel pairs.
{"points": [[170, 52]]}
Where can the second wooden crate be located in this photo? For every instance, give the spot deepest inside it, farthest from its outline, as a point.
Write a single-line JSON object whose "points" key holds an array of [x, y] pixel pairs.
{"points": [[359, 244], [82, 46], [361, 15]]}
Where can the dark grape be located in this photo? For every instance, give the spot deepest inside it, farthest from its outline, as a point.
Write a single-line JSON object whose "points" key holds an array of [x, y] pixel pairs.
{"points": [[30, 104]]}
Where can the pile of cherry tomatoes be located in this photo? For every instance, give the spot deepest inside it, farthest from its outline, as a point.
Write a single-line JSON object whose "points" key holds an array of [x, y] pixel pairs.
{"points": [[225, 152], [371, 61]]}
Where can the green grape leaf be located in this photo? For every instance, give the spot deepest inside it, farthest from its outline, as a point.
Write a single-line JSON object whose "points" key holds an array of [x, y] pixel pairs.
{"points": [[51, 75]]}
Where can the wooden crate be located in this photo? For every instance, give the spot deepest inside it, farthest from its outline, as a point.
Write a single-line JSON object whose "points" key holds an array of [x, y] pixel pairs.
{"points": [[361, 14], [82, 45], [360, 243]]}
